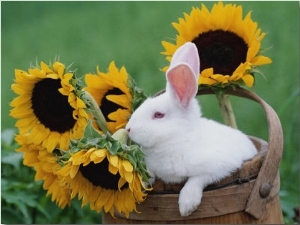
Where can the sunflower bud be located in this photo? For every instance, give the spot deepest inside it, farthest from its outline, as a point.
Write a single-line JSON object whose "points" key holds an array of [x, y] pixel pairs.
{"points": [[121, 135]]}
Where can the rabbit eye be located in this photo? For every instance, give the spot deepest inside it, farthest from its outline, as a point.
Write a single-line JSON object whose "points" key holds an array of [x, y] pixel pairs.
{"points": [[158, 115]]}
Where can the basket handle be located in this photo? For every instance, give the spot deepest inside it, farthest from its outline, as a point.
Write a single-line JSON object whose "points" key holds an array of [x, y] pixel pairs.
{"points": [[269, 169]]}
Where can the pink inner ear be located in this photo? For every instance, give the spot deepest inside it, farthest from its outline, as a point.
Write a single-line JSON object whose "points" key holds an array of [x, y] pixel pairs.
{"points": [[183, 83], [188, 54]]}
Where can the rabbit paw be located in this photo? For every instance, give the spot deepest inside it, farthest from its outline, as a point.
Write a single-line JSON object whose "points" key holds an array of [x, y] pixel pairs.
{"points": [[189, 199]]}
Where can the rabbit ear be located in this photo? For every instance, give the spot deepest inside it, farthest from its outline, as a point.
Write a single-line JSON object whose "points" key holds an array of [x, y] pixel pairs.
{"points": [[182, 76], [188, 54]]}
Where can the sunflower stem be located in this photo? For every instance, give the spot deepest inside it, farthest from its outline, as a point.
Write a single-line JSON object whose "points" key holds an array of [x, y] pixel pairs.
{"points": [[96, 111], [226, 110]]}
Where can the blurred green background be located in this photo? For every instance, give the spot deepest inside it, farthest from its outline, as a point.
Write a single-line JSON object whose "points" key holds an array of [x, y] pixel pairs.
{"points": [[88, 34]]}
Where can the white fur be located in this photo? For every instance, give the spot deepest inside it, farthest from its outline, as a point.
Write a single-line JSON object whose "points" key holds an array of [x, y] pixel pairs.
{"points": [[183, 146]]}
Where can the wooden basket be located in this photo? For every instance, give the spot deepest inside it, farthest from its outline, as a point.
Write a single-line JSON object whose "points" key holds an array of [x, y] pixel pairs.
{"points": [[250, 195]]}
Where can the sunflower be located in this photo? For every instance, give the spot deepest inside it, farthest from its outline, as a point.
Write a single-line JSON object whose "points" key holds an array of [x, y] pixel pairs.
{"points": [[113, 95], [47, 107], [46, 165], [105, 181], [228, 45]]}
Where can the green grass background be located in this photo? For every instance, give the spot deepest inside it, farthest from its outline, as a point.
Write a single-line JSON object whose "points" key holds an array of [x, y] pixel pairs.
{"points": [[88, 34]]}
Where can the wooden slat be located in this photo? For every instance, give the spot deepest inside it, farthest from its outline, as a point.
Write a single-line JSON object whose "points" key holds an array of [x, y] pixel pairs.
{"points": [[214, 203], [164, 207], [272, 215]]}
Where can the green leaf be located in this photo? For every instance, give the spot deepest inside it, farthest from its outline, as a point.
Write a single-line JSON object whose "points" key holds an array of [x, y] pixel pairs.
{"points": [[22, 200], [10, 215], [11, 158], [115, 147], [41, 209], [90, 131], [132, 160], [7, 136], [138, 96]]}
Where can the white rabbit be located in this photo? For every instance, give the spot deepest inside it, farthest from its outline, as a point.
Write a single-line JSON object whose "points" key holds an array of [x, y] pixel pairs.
{"points": [[179, 144]]}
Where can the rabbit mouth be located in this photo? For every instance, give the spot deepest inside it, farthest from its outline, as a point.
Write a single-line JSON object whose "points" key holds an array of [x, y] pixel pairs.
{"points": [[143, 142]]}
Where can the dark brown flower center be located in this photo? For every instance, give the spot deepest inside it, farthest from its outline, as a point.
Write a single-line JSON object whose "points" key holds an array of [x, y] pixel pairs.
{"points": [[99, 175], [51, 107], [222, 50], [107, 106]]}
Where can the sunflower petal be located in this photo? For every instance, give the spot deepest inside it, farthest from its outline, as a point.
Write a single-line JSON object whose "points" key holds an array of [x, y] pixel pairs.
{"points": [[80, 103], [261, 60], [110, 201], [127, 166], [112, 169], [74, 171], [98, 156], [114, 160], [121, 182], [248, 79], [128, 177]]}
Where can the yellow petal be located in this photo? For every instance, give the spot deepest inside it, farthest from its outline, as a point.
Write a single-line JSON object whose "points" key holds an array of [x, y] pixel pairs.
{"points": [[248, 79], [73, 171], [40, 133], [112, 169], [79, 157], [71, 97], [45, 67], [20, 100], [127, 166], [53, 76], [128, 176], [98, 156], [261, 60], [121, 182], [59, 68], [207, 81], [16, 113], [27, 122], [64, 171], [64, 141], [121, 100], [63, 91], [52, 141], [114, 160], [80, 103], [110, 201], [103, 198]]}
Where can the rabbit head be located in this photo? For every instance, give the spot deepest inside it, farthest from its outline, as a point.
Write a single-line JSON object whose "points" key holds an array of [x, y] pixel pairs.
{"points": [[173, 112]]}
